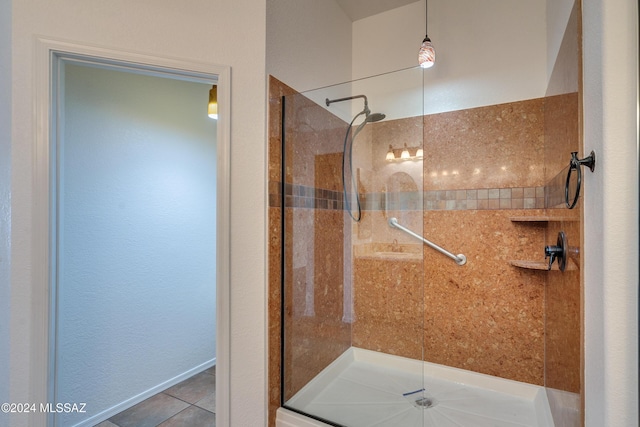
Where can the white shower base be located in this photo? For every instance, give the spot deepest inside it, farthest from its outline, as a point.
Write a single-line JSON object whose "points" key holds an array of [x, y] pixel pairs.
{"points": [[363, 388]]}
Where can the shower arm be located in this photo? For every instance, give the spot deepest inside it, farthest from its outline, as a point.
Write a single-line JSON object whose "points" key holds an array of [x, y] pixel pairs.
{"points": [[460, 259], [348, 98]]}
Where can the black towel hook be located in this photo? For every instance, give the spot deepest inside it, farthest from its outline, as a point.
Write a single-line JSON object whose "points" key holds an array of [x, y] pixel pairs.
{"points": [[574, 164]]}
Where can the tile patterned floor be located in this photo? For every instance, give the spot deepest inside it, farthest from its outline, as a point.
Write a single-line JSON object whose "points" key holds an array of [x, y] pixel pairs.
{"points": [[191, 403]]}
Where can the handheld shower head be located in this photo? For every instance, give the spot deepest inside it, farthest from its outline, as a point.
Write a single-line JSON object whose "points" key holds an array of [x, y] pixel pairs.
{"points": [[347, 152]]}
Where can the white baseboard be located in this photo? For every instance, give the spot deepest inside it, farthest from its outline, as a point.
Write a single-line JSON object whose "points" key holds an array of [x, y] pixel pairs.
{"points": [[116, 409]]}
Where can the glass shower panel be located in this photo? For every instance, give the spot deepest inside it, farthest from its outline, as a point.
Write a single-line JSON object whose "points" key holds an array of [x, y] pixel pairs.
{"points": [[353, 303]]}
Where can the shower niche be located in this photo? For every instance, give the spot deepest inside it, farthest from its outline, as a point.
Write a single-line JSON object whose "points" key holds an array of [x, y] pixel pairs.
{"points": [[378, 328]]}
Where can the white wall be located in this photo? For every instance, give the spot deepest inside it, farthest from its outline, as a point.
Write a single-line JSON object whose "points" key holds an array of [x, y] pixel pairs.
{"points": [[308, 43], [611, 213], [487, 52], [563, 44], [557, 16], [137, 239], [388, 41], [228, 32], [5, 199], [308, 48]]}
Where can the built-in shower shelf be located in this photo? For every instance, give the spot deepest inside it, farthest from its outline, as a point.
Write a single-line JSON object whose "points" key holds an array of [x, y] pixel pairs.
{"points": [[542, 219], [539, 265]]}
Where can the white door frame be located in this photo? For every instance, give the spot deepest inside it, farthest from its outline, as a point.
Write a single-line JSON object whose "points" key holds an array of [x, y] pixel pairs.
{"points": [[48, 52]]}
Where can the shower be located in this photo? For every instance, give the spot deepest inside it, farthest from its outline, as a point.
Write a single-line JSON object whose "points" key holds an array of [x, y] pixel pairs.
{"points": [[347, 152], [378, 328]]}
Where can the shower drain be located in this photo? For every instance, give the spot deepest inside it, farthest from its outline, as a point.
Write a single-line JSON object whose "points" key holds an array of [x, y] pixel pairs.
{"points": [[425, 402]]}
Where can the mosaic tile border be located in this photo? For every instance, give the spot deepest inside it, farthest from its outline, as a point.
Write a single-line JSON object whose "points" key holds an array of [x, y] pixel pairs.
{"points": [[302, 196], [554, 191], [486, 198]]}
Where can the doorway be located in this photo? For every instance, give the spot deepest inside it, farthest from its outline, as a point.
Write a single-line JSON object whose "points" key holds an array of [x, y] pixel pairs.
{"points": [[134, 252]]}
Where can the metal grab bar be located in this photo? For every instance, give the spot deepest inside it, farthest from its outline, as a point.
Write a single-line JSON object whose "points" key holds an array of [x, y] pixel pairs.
{"points": [[460, 259]]}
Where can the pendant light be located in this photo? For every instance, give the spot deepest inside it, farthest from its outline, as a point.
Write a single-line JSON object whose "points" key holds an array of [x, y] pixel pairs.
{"points": [[213, 103], [427, 53]]}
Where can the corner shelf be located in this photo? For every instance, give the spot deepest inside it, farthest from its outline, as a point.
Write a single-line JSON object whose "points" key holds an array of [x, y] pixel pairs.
{"points": [[530, 265], [540, 265], [541, 219]]}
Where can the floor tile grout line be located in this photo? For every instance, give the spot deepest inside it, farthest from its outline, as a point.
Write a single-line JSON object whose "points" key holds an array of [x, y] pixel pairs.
{"points": [[174, 397], [189, 403], [177, 413], [204, 409], [174, 415], [164, 392]]}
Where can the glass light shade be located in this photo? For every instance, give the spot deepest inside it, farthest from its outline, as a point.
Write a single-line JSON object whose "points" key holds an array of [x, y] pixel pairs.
{"points": [[213, 103], [420, 153], [405, 153], [390, 154], [427, 54]]}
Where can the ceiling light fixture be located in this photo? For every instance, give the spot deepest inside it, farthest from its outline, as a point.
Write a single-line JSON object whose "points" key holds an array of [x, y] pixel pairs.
{"points": [[427, 53], [213, 103]]}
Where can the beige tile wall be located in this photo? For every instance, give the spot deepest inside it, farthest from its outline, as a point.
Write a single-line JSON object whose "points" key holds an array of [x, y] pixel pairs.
{"points": [[563, 293]]}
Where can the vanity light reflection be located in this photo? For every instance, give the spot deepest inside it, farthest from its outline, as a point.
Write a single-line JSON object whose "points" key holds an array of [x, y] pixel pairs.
{"points": [[407, 153]]}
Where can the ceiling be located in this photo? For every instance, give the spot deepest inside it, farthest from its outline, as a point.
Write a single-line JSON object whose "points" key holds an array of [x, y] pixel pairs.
{"points": [[358, 9]]}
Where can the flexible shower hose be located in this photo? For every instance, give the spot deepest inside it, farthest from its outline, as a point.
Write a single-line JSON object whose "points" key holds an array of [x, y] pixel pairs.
{"points": [[348, 144]]}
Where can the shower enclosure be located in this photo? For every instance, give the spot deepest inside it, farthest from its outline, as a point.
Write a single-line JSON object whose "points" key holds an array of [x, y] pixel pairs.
{"points": [[380, 327], [339, 252]]}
